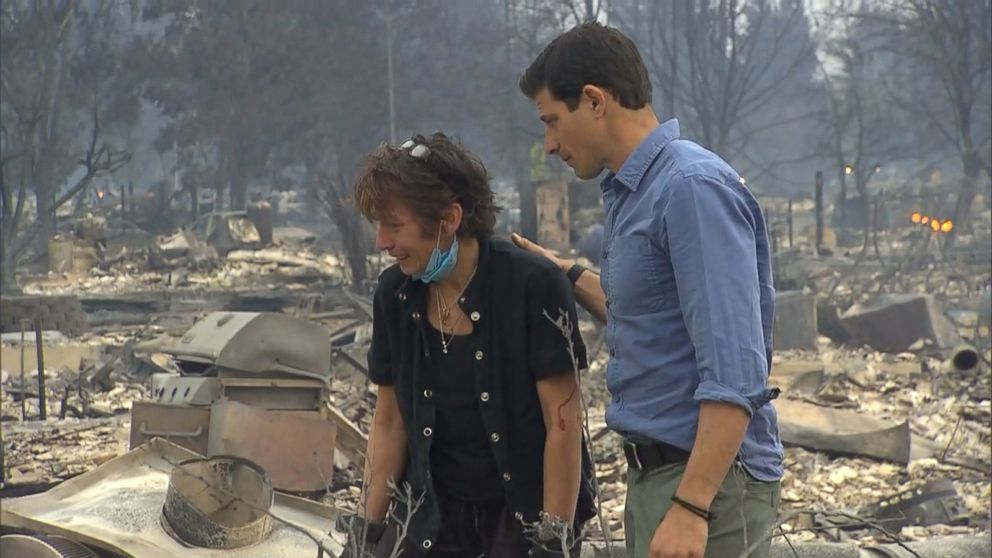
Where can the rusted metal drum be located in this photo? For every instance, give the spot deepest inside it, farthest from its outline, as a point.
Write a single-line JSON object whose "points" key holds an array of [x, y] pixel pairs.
{"points": [[221, 502]]}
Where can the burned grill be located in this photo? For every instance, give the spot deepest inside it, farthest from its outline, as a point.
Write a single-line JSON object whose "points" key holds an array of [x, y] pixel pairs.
{"points": [[252, 385]]}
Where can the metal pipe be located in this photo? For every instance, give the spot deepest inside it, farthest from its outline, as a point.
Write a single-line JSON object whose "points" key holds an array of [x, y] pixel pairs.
{"points": [[963, 358], [39, 345], [818, 200]]}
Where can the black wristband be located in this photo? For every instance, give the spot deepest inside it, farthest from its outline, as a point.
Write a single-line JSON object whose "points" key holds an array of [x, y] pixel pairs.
{"points": [[574, 272], [696, 510]]}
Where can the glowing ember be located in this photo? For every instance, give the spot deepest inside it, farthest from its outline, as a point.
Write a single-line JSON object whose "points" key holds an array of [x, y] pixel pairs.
{"points": [[925, 220], [947, 226], [935, 225], [916, 217]]}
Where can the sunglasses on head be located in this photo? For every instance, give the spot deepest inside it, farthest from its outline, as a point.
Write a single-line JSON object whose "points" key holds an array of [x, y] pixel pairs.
{"points": [[417, 150]]}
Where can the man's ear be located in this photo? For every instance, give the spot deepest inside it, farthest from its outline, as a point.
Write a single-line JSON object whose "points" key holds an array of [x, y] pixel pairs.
{"points": [[596, 98]]}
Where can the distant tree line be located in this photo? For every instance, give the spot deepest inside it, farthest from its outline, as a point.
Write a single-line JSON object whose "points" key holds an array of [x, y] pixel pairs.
{"points": [[253, 94]]}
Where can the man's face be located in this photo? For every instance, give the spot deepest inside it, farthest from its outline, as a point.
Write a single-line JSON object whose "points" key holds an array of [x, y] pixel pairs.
{"points": [[574, 136], [402, 236]]}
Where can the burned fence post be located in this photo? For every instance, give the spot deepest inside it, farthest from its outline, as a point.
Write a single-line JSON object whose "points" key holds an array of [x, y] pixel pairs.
{"points": [[42, 403], [123, 208], [818, 200], [130, 197], [788, 220], [774, 235], [24, 412]]}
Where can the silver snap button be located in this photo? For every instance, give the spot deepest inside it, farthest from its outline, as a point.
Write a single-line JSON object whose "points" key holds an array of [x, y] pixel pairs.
{"points": [[416, 315], [428, 432], [507, 477], [428, 393], [518, 516], [426, 544], [484, 396], [462, 300], [478, 355], [494, 437], [401, 296], [475, 316]]}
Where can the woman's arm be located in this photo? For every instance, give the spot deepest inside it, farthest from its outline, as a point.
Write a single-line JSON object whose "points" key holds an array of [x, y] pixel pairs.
{"points": [[385, 456]]}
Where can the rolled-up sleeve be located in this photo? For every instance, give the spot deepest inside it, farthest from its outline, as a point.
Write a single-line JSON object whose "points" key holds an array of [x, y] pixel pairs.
{"points": [[379, 361], [710, 235]]}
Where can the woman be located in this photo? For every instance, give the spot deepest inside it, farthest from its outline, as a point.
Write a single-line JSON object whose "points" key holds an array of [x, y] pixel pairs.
{"points": [[476, 442]]}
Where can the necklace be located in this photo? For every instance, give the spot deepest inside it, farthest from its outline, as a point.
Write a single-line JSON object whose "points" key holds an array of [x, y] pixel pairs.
{"points": [[443, 312]]}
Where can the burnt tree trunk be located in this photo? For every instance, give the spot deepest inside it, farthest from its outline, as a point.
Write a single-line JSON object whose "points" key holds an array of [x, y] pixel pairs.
{"points": [[351, 228]]}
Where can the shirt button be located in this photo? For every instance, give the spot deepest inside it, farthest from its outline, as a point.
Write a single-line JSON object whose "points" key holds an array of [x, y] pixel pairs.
{"points": [[484, 396], [426, 544], [518, 516], [494, 437], [416, 315], [478, 355], [401, 296], [428, 393], [428, 432], [462, 300], [475, 316], [507, 477]]}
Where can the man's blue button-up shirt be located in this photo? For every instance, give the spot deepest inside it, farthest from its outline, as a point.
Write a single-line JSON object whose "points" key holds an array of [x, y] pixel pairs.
{"points": [[686, 269]]}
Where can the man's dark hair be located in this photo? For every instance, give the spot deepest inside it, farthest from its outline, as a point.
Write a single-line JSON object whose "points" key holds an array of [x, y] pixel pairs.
{"points": [[428, 181], [590, 54]]}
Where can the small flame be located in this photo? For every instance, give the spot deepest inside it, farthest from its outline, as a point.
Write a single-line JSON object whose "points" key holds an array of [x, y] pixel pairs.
{"points": [[916, 217], [947, 226], [935, 225], [924, 220], [848, 169], [99, 194]]}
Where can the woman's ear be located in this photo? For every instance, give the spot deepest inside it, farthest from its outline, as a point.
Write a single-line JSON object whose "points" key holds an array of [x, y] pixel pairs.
{"points": [[451, 219]]}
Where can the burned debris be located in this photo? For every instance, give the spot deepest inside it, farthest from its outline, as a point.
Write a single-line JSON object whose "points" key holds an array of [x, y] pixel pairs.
{"points": [[186, 312], [885, 406]]}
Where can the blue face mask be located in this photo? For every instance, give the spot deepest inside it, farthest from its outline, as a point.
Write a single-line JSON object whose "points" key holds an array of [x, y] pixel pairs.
{"points": [[441, 263]]}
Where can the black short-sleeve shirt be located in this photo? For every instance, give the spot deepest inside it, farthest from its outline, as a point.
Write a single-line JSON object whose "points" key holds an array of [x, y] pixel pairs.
{"points": [[513, 303]]}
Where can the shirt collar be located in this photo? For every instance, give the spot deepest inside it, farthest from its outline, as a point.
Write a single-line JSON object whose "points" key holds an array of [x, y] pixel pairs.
{"points": [[637, 163]]}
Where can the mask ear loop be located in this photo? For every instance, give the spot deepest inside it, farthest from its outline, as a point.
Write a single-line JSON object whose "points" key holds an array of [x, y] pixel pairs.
{"points": [[440, 226]]}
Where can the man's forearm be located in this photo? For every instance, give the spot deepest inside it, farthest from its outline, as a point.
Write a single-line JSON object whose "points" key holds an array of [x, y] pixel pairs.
{"points": [[719, 435], [384, 462], [562, 471]]}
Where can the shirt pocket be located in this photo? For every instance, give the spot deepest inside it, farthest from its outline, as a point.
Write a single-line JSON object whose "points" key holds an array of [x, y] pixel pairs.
{"points": [[635, 269]]}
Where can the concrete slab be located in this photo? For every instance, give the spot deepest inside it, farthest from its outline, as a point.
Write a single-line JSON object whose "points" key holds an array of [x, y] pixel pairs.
{"points": [[894, 322], [57, 356], [795, 321], [798, 376]]}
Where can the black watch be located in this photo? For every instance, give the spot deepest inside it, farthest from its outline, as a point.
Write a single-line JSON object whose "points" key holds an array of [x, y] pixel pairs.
{"points": [[574, 272]]}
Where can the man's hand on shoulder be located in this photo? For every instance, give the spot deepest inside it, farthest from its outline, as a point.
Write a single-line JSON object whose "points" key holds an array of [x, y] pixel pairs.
{"points": [[534, 248]]}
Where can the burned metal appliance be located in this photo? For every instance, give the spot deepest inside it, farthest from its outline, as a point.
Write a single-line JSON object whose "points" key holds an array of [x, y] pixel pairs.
{"points": [[252, 385]]}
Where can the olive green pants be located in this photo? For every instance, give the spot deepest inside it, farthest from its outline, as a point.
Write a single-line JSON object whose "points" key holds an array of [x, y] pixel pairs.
{"points": [[744, 511]]}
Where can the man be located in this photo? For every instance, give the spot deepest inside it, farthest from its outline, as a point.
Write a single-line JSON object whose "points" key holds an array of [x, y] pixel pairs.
{"points": [[686, 294], [477, 421]]}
